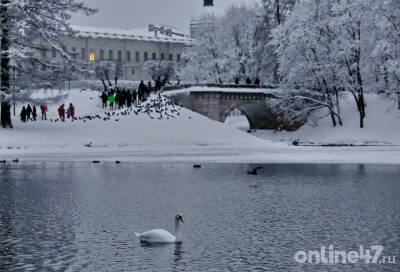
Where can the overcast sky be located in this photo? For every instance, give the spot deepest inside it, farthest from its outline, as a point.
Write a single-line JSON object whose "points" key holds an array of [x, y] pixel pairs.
{"points": [[140, 13]]}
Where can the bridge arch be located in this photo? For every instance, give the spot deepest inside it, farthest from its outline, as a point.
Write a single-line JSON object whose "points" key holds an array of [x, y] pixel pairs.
{"points": [[259, 116]]}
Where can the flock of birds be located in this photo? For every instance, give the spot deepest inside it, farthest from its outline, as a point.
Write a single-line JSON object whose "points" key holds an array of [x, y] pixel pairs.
{"points": [[155, 107]]}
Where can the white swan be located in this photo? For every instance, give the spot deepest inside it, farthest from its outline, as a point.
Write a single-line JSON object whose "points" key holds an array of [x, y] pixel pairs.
{"points": [[163, 236]]}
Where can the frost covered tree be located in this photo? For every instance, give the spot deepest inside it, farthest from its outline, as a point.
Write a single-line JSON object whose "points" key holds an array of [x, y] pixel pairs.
{"points": [[272, 14], [223, 47], [203, 59], [386, 51], [23, 23], [306, 55], [236, 38], [325, 49], [160, 71]]}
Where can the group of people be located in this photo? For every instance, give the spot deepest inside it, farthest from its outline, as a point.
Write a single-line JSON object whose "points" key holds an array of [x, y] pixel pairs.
{"points": [[29, 113], [70, 112], [248, 81], [125, 97]]}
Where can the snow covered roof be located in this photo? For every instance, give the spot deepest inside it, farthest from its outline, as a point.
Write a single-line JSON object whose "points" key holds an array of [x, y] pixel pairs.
{"points": [[144, 34]]}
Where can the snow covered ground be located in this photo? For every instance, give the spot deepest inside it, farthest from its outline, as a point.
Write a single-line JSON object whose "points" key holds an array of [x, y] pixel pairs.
{"points": [[180, 135], [382, 126]]}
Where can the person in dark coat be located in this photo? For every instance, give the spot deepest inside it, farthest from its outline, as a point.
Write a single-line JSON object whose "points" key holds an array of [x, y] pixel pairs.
{"points": [[71, 111], [134, 96], [34, 113], [128, 99], [141, 91], [237, 81], [61, 112], [248, 81], [28, 113], [257, 81], [104, 99], [23, 114]]}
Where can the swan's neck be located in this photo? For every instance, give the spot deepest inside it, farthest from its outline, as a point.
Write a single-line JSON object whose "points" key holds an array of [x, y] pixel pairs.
{"points": [[178, 231]]}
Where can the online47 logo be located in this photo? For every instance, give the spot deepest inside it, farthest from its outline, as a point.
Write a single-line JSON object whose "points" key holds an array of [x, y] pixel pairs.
{"points": [[372, 255]]}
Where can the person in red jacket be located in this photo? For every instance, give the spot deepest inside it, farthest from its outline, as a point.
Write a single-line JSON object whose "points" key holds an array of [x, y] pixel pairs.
{"points": [[71, 111], [43, 110], [61, 112]]}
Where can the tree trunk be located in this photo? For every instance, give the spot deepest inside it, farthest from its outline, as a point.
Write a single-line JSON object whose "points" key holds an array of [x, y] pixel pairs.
{"points": [[5, 65], [278, 12]]}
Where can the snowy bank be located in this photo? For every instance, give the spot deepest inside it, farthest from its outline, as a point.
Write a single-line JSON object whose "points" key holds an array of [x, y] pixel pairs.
{"points": [[382, 126], [182, 136]]}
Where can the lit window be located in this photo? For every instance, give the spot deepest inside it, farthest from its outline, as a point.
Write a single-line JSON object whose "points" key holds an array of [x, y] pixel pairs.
{"points": [[92, 55]]}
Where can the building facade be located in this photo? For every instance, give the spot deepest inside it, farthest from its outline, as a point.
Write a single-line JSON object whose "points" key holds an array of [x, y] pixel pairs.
{"points": [[129, 49]]}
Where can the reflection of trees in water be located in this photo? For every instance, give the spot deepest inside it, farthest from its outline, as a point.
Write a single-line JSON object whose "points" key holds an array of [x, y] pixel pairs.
{"points": [[7, 217], [37, 220]]}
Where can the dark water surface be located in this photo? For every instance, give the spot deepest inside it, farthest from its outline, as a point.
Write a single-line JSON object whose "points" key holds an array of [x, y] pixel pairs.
{"points": [[82, 217]]}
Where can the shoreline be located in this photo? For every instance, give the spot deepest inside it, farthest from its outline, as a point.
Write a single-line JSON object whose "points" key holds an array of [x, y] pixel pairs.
{"points": [[269, 155]]}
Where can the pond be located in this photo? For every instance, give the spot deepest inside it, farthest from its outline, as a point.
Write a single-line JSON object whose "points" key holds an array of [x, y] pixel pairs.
{"points": [[76, 216]]}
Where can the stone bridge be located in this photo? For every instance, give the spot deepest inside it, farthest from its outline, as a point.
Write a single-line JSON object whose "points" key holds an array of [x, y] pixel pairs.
{"points": [[218, 101]]}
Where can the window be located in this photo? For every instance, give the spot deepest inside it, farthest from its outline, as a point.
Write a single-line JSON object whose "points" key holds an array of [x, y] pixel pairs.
{"points": [[73, 50], [137, 56], [145, 56], [133, 71], [154, 56], [110, 55], [162, 56], [119, 55], [44, 53], [178, 58], [128, 56], [54, 53], [83, 53], [171, 57], [92, 55], [73, 69], [101, 54]]}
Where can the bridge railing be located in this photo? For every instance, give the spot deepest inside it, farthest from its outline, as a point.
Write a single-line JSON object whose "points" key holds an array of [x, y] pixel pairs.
{"points": [[214, 85]]}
